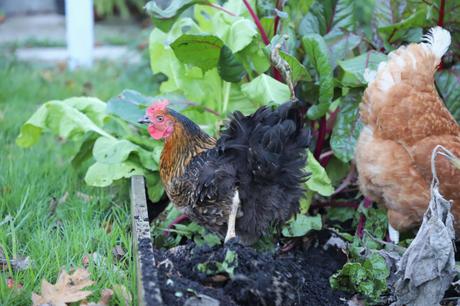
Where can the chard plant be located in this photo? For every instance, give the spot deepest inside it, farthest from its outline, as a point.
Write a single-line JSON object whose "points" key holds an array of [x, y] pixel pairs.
{"points": [[217, 57]]}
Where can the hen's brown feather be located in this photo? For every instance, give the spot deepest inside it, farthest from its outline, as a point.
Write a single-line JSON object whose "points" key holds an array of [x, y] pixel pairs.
{"points": [[404, 120]]}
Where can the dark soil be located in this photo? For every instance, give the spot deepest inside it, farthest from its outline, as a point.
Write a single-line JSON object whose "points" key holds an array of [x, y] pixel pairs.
{"points": [[299, 277]]}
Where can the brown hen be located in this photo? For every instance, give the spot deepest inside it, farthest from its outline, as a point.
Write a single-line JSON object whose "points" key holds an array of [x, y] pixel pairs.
{"points": [[404, 120]]}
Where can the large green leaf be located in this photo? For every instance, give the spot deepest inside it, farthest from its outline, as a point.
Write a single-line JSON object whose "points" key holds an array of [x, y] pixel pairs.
{"points": [[316, 50], [154, 186], [346, 128], [103, 175], [448, 82], [421, 17], [301, 224], [165, 18], [265, 89], [239, 34], [351, 71], [299, 72], [130, 105], [114, 151], [69, 119], [229, 67], [199, 50], [340, 45], [255, 57], [318, 180]]}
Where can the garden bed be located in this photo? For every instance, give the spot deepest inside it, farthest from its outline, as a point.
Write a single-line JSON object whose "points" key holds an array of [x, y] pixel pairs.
{"points": [[231, 274]]}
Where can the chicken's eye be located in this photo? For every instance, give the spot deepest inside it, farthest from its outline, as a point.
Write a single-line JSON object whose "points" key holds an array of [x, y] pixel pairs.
{"points": [[160, 118]]}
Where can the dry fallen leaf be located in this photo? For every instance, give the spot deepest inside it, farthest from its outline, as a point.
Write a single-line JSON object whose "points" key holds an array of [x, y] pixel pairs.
{"points": [[12, 284], [83, 196], [85, 261], [68, 289], [118, 252], [106, 296]]}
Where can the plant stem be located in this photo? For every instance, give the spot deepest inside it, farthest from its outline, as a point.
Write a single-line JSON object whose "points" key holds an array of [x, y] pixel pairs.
{"points": [[221, 8], [178, 220], [441, 22], [279, 6], [257, 22], [321, 137], [441, 13], [334, 204], [227, 87], [362, 219]]}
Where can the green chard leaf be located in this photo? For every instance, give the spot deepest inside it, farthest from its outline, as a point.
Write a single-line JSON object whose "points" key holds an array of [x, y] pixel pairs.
{"points": [[346, 128], [351, 71], [229, 67], [103, 175], [199, 50], [114, 151], [165, 18], [299, 72], [69, 119], [448, 83], [301, 224], [265, 89], [318, 180], [317, 52]]}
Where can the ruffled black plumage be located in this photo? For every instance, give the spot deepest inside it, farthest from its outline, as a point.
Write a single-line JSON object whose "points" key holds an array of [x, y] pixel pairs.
{"points": [[263, 155]]}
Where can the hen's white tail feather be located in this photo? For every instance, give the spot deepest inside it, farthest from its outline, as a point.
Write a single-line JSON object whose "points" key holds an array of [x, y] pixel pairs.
{"points": [[438, 40]]}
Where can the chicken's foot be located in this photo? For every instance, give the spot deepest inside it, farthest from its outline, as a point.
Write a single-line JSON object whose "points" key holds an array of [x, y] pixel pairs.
{"points": [[231, 233], [393, 233]]}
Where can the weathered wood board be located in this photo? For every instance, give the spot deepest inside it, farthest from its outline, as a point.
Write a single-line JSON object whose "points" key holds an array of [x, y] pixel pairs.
{"points": [[147, 279]]}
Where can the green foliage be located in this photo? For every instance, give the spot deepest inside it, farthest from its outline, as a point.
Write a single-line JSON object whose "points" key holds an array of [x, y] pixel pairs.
{"points": [[347, 127], [214, 62], [301, 224], [448, 82], [318, 180], [214, 267], [366, 276]]}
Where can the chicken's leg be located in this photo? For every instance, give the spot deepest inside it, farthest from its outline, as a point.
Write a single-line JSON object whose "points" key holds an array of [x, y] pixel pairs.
{"points": [[231, 233], [393, 233]]}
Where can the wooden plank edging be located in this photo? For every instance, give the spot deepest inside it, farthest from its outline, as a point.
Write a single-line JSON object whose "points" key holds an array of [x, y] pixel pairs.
{"points": [[147, 278]]}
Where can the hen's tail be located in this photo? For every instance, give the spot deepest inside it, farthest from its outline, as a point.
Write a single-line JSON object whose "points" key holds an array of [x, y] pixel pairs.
{"points": [[268, 149], [409, 69]]}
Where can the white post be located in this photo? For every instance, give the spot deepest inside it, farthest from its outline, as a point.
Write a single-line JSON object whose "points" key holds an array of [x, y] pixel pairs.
{"points": [[80, 32]]}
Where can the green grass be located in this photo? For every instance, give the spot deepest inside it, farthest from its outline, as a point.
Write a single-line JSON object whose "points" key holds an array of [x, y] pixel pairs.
{"points": [[30, 178]]}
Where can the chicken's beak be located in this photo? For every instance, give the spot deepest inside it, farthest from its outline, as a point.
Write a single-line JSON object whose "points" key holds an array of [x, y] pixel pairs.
{"points": [[144, 120]]}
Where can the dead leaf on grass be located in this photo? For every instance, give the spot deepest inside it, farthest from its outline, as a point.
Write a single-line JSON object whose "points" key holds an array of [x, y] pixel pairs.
{"points": [[83, 196], [68, 289], [118, 252], [106, 296], [12, 284]]}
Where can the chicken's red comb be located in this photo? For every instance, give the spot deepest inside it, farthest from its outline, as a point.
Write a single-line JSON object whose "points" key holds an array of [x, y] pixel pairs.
{"points": [[157, 106]]}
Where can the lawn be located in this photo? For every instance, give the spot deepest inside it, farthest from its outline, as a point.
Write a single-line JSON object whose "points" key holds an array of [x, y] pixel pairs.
{"points": [[86, 221]]}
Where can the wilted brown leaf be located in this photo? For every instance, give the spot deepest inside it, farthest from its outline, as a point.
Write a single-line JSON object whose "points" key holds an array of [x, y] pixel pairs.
{"points": [[118, 252], [106, 296], [68, 289], [85, 261], [83, 196]]}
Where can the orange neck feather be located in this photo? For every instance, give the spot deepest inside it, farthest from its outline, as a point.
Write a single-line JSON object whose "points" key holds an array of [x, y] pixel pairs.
{"points": [[179, 149]]}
